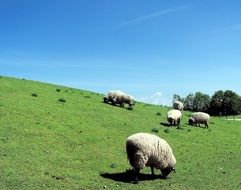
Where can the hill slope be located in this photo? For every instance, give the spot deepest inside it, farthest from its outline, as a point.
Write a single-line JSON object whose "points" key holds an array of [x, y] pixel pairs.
{"points": [[46, 143]]}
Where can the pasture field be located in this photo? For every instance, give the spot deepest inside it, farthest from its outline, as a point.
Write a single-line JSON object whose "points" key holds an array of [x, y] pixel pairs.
{"points": [[55, 137]]}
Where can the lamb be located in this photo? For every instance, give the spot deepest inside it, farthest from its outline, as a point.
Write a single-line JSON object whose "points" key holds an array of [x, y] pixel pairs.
{"points": [[144, 149], [199, 118], [177, 105], [174, 117]]}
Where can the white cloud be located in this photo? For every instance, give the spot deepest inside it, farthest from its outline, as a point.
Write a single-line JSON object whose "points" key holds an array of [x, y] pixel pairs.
{"points": [[155, 98], [152, 15]]}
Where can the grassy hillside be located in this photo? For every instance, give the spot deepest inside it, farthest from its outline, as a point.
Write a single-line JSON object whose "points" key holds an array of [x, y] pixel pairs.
{"points": [[54, 137]]}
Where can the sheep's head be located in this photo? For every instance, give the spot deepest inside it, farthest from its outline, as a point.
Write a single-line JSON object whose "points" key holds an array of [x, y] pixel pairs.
{"points": [[191, 121], [105, 99], [167, 171], [132, 102]]}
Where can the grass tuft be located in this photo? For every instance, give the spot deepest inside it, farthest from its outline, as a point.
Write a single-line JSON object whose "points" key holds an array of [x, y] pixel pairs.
{"points": [[62, 100], [34, 94], [154, 130], [167, 130], [158, 113]]}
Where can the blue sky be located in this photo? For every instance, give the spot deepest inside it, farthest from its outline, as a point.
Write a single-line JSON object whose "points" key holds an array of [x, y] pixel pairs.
{"points": [[149, 49]]}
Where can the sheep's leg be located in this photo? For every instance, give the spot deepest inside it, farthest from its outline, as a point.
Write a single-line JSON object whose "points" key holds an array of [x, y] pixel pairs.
{"points": [[152, 170], [137, 171], [178, 122], [206, 125]]}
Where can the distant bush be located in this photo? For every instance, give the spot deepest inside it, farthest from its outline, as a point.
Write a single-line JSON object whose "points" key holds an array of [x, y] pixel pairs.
{"points": [[34, 94], [58, 90], [62, 100]]}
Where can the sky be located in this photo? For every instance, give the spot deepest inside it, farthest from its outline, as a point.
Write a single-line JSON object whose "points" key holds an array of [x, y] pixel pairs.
{"points": [[148, 49]]}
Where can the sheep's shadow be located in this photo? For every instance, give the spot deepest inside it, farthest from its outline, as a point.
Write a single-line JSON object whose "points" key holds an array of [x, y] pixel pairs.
{"points": [[196, 125], [115, 105], [128, 176], [166, 124]]}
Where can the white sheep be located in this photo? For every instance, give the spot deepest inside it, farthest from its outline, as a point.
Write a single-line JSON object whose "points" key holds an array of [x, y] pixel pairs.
{"points": [[177, 105], [174, 117], [144, 149], [110, 96], [199, 118], [122, 98]]}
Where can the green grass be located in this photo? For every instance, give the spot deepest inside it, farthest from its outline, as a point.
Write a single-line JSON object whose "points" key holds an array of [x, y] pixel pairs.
{"points": [[79, 143]]}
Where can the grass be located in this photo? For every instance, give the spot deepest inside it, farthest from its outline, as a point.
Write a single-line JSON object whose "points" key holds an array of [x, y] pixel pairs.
{"points": [[80, 144]]}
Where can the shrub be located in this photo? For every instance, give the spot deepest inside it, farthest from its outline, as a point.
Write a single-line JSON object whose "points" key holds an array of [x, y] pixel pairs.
{"points": [[58, 90]]}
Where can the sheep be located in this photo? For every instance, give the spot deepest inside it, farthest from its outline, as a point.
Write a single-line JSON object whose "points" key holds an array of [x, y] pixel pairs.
{"points": [[177, 105], [121, 99], [199, 118], [110, 96], [144, 149], [174, 117]]}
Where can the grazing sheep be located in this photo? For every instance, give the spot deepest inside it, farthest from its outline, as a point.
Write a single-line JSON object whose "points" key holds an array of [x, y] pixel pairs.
{"points": [[110, 96], [174, 117], [177, 105], [199, 118], [144, 149], [121, 99]]}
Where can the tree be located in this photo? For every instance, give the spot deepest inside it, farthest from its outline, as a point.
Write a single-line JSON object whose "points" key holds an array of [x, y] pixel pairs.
{"points": [[221, 103], [201, 102], [216, 103], [188, 102], [231, 103], [178, 97]]}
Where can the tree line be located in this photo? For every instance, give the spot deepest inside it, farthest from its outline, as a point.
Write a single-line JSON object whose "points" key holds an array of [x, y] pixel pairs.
{"points": [[221, 103]]}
